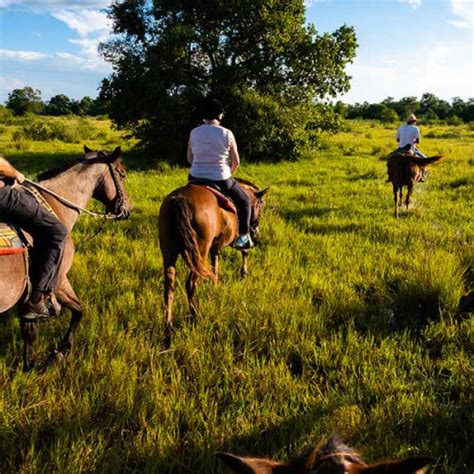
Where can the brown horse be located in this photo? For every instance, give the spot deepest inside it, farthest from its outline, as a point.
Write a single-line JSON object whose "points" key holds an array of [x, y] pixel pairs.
{"points": [[405, 169], [99, 175], [193, 224], [329, 457]]}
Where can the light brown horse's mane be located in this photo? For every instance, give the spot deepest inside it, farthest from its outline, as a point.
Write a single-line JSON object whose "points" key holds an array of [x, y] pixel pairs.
{"points": [[247, 183]]}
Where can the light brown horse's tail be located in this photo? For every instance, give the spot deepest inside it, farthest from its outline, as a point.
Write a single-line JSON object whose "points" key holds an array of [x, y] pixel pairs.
{"points": [[188, 244], [423, 162]]}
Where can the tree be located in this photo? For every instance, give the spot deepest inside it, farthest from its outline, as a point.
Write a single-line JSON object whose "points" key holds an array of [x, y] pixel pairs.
{"points": [[26, 100], [257, 57], [59, 105]]}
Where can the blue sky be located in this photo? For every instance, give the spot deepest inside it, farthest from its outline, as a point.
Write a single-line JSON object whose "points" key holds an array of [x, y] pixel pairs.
{"points": [[406, 47]]}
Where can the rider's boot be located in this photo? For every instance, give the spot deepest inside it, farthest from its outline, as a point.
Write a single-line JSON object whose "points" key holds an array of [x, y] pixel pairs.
{"points": [[35, 307], [243, 242]]}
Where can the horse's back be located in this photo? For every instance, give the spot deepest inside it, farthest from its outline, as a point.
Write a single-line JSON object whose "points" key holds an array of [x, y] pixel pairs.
{"points": [[13, 279]]}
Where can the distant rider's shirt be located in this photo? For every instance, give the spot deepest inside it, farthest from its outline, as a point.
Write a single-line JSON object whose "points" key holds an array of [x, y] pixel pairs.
{"points": [[210, 146], [408, 135]]}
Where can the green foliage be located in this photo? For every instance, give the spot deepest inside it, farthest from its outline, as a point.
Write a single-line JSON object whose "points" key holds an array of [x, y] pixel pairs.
{"points": [[430, 109], [72, 130], [26, 100], [347, 322], [259, 58], [59, 105]]}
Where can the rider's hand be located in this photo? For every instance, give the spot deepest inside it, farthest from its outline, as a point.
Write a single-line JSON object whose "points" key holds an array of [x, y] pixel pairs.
{"points": [[20, 177]]}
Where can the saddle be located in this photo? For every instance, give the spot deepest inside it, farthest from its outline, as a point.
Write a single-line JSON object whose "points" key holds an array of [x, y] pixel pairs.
{"points": [[222, 200], [12, 240]]}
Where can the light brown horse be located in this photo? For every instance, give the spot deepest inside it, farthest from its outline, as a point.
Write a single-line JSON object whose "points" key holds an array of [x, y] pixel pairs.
{"points": [[328, 457], [99, 175], [405, 169], [193, 225]]}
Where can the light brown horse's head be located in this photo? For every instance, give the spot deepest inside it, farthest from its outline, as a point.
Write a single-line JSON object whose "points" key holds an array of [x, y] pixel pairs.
{"points": [[256, 199], [329, 457], [110, 189]]}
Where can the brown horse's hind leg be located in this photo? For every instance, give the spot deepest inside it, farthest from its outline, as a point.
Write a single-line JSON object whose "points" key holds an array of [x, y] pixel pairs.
{"points": [[191, 284], [68, 298], [243, 268], [409, 194], [28, 331], [215, 263], [170, 276]]}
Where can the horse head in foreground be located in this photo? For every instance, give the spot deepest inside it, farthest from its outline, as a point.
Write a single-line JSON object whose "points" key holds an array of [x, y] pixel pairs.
{"points": [[328, 457], [194, 225], [406, 169], [67, 191]]}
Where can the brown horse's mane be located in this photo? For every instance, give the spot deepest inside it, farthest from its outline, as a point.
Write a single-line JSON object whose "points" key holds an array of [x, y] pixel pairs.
{"points": [[247, 183], [52, 173]]}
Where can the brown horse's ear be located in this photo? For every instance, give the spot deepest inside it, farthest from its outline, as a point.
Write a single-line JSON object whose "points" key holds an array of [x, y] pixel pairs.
{"points": [[115, 154], [87, 149], [250, 465], [260, 194], [413, 465]]}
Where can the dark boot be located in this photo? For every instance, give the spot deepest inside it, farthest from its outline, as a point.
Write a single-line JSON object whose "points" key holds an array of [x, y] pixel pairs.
{"points": [[35, 307]]}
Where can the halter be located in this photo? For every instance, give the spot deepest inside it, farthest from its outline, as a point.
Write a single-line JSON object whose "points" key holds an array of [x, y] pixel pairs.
{"points": [[342, 454]]}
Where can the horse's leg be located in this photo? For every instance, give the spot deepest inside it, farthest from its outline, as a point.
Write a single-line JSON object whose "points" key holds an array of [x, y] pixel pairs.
{"points": [[409, 193], [68, 298], [243, 268], [28, 331], [395, 190], [191, 284], [170, 276], [215, 262]]}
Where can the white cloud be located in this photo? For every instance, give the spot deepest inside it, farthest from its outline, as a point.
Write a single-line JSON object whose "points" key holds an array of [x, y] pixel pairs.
{"points": [[464, 10], [414, 3], [84, 22], [22, 55], [52, 5], [445, 69]]}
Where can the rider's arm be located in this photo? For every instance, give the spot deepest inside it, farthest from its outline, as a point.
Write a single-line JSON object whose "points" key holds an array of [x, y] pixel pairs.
{"points": [[234, 154], [190, 153], [417, 139], [8, 171]]}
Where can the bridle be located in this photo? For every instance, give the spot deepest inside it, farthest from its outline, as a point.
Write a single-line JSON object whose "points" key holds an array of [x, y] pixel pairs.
{"points": [[100, 215]]}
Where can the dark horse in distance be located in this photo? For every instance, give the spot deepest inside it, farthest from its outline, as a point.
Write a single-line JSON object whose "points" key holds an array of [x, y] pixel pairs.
{"points": [[405, 169], [193, 224], [99, 175]]}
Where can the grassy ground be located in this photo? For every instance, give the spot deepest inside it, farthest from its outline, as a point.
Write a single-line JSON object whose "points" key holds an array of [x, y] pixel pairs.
{"points": [[347, 322]]}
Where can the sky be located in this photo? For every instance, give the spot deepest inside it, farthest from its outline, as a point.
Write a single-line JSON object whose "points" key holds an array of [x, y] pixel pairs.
{"points": [[406, 47]]}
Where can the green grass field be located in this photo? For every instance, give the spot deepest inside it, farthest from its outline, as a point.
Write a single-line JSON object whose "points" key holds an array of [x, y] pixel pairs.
{"points": [[347, 322]]}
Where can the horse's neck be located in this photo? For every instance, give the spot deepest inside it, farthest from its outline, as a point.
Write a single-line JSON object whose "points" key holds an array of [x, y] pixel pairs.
{"points": [[77, 185]]}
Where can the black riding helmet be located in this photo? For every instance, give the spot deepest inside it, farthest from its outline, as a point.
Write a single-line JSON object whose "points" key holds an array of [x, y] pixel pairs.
{"points": [[211, 109]]}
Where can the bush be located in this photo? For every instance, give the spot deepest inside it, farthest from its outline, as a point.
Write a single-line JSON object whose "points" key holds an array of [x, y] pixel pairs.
{"points": [[69, 131]]}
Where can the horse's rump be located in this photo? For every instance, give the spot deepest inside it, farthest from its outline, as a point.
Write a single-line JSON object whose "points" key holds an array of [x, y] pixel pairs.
{"points": [[13, 279], [179, 228]]}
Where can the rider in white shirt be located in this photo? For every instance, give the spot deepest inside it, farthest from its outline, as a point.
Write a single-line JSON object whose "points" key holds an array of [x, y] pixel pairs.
{"points": [[409, 134]]}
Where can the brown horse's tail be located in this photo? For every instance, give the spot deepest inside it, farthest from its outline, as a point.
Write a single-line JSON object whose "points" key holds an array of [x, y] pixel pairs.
{"points": [[423, 162], [187, 238]]}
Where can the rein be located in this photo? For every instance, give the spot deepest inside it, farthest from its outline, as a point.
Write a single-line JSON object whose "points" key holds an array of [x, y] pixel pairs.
{"points": [[71, 205]]}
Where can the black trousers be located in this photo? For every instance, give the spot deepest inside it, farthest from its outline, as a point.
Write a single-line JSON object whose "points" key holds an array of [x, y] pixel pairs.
{"points": [[232, 189], [19, 208]]}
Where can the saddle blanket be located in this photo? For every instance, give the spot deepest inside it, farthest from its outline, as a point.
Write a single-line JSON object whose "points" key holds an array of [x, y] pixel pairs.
{"points": [[222, 200], [10, 241]]}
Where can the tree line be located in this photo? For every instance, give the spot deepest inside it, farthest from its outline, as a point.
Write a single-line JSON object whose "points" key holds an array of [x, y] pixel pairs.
{"points": [[430, 108], [28, 101]]}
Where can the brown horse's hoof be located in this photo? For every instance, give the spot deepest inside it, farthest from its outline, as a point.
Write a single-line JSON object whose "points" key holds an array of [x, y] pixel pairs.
{"points": [[169, 332]]}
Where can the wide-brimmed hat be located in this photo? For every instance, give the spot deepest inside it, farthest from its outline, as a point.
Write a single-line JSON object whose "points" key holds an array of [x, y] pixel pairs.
{"points": [[411, 118]]}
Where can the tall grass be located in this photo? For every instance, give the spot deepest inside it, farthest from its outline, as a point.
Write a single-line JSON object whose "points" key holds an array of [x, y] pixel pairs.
{"points": [[347, 322]]}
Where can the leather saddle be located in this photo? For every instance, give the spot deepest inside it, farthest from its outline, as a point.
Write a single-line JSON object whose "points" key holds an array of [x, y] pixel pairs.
{"points": [[223, 201]]}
